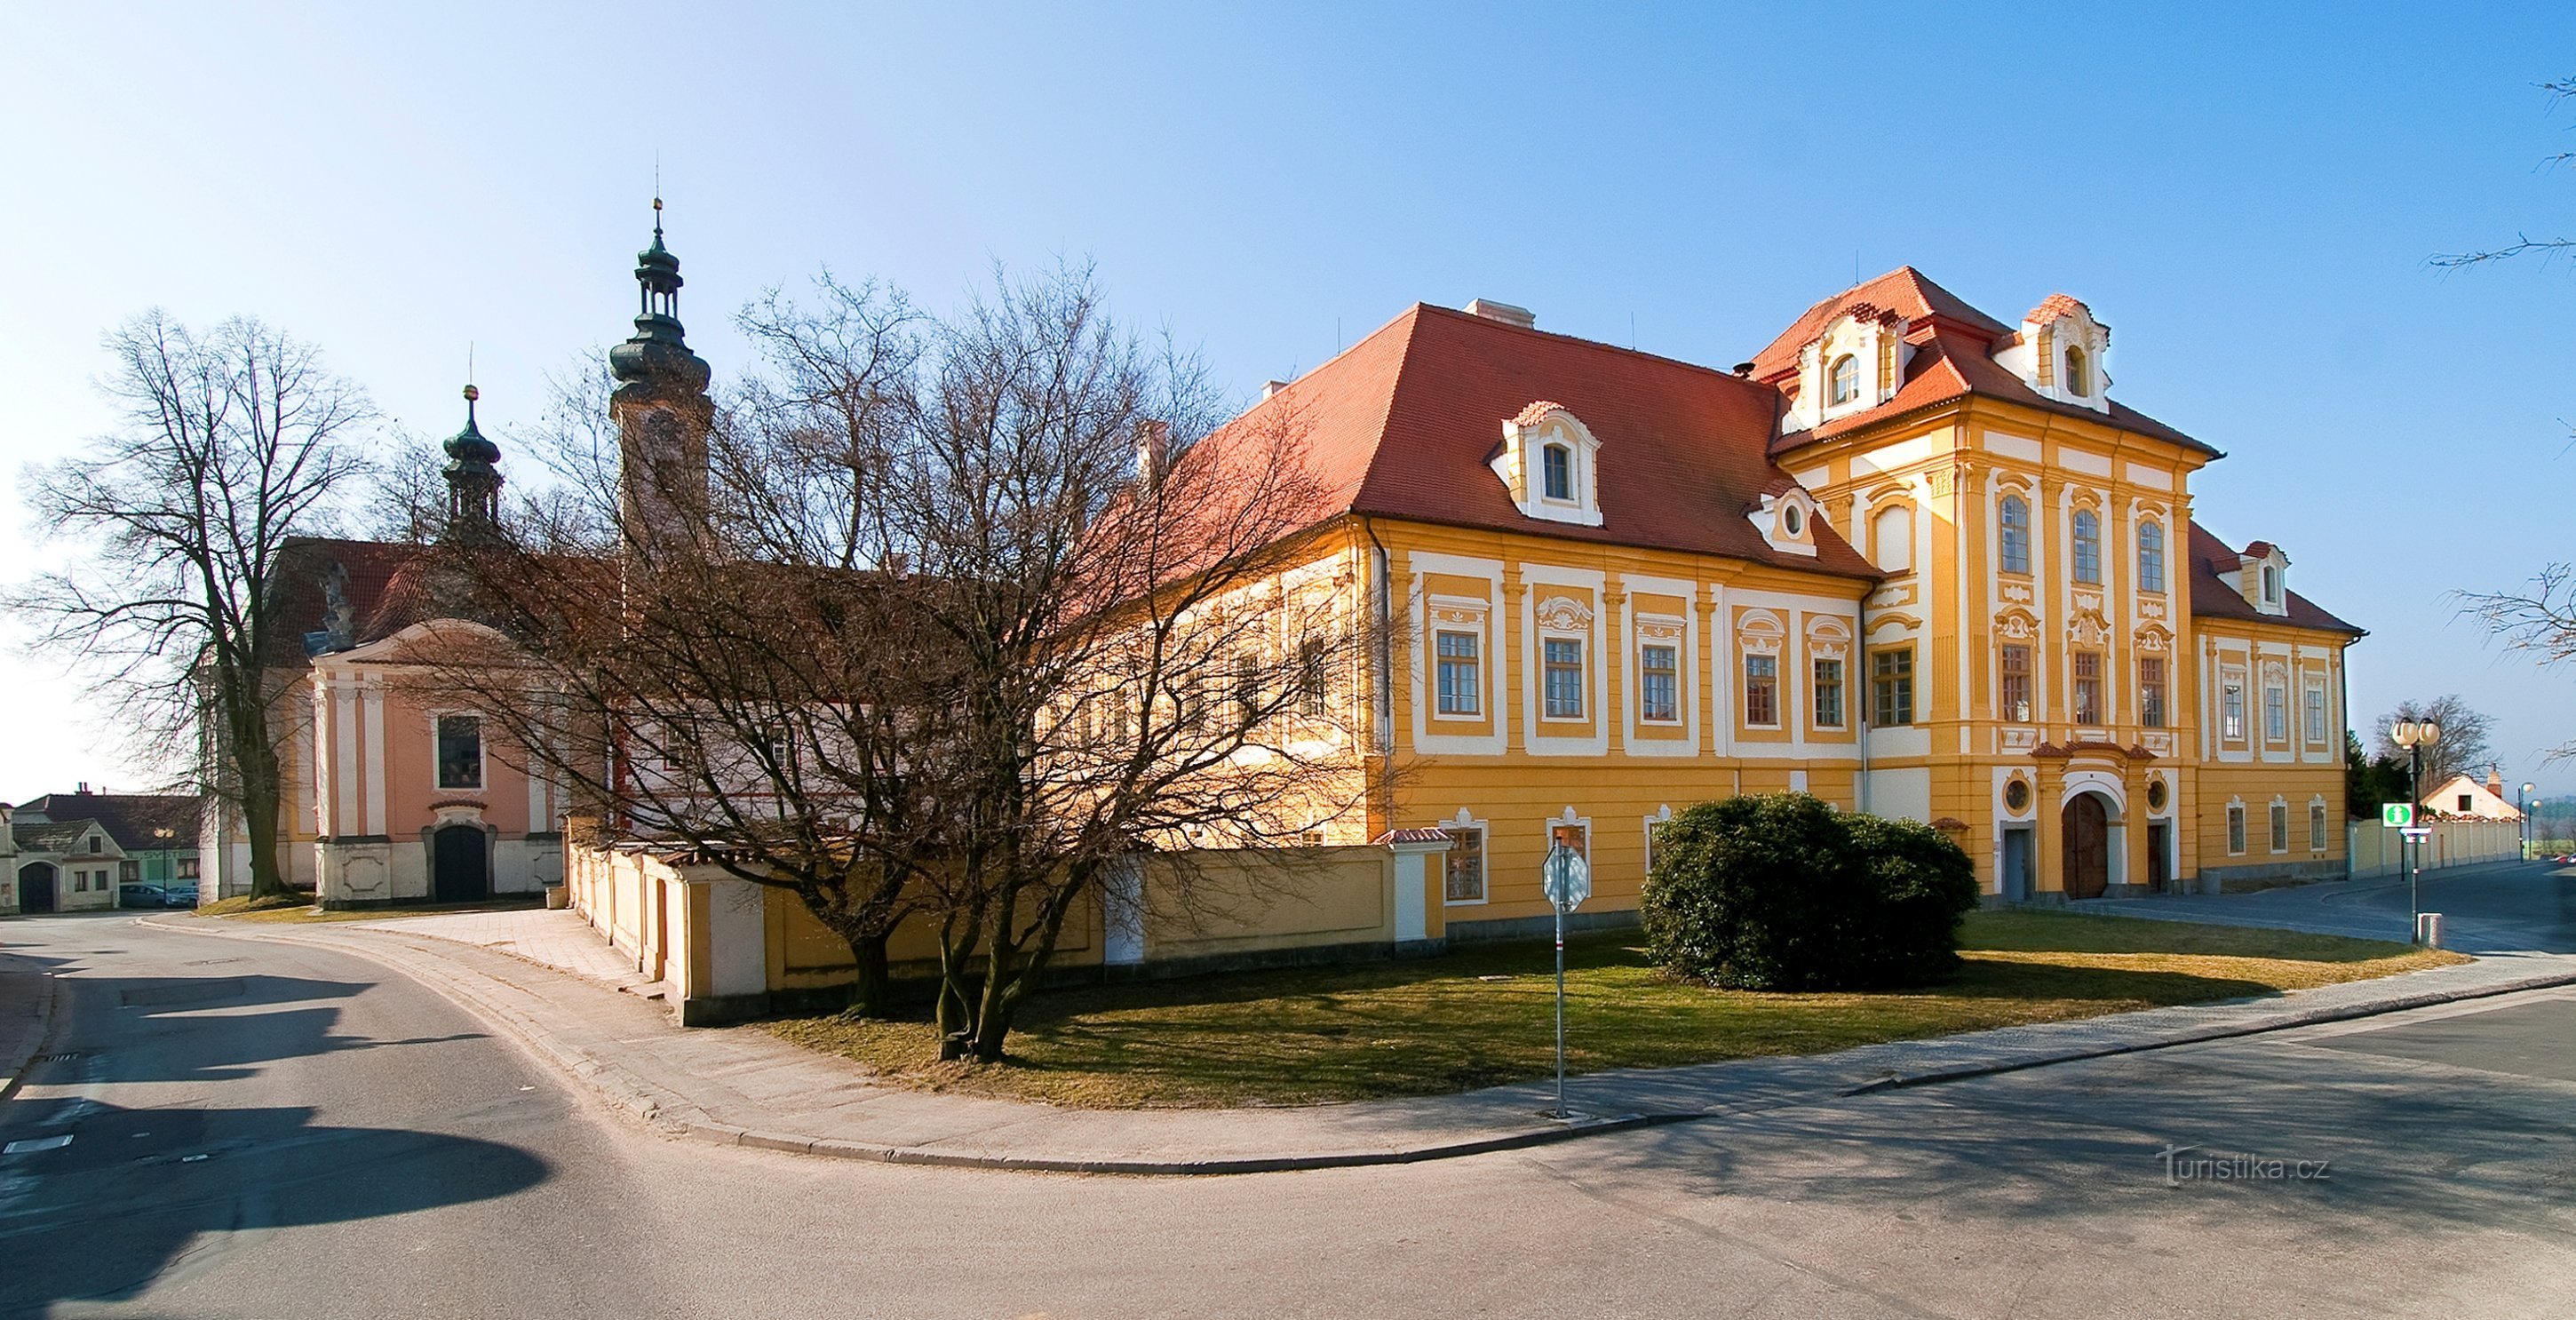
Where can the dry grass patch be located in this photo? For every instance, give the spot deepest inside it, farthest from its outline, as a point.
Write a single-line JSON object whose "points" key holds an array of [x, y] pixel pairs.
{"points": [[298, 909], [1482, 1016]]}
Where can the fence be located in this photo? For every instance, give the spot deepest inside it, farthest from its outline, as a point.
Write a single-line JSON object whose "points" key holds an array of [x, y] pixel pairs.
{"points": [[2375, 849]]}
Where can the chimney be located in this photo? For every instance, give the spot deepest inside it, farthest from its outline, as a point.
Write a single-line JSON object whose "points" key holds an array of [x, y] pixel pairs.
{"points": [[1503, 312], [1744, 369], [1270, 387], [2495, 782], [1153, 451]]}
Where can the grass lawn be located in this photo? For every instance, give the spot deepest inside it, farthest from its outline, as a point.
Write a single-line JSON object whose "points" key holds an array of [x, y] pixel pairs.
{"points": [[1483, 1016], [297, 909]]}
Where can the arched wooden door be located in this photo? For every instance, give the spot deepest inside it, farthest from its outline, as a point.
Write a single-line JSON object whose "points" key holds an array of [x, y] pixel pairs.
{"points": [[460, 868], [2088, 846], [36, 887]]}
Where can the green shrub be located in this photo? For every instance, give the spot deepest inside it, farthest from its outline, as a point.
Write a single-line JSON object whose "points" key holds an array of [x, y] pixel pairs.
{"points": [[1782, 892]]}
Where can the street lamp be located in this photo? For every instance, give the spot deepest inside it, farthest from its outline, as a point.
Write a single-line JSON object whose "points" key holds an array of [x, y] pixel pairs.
{"points": [[2414, 736], [2527, 832]]}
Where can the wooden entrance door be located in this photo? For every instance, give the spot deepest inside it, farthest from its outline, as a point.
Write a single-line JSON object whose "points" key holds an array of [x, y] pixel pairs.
{"points": [[460, 868], [36, 887], [2088, 847]]}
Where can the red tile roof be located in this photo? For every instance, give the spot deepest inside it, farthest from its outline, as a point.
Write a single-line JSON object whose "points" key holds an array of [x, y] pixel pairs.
{"points": [[2053, 306], [1903, 291], [304, 567], [2213, 596], [1404, 424]]}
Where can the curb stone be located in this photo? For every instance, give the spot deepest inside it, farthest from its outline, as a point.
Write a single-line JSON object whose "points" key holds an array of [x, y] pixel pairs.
{"points": [[673, 1116]]}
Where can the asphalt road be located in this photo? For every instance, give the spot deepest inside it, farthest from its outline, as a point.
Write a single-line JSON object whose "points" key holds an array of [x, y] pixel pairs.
{"points": [[261, 1130]]}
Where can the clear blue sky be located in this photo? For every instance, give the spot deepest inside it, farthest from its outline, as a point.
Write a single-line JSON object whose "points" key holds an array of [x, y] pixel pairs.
{"points": [[2248, 200]]}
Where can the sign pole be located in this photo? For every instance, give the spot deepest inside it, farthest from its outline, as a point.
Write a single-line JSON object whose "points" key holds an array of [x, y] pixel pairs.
{"points": [[1567, 880], [1560, 1013]]}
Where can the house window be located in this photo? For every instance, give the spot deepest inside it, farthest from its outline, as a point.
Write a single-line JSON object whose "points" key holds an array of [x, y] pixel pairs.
{"points": [[1247, 690], [187, 868], [1465, 878], [2316, 715], [1829, 694], [1461, 682], [1311, 674], [2271, 585], [1557, 462], [2151, 556], [2016, 535], [2079, 380], [2151, 691], [1842, 380], [1659, 695], [1791, 520], [2235, 829], [1762, 691], [2016, 684], [1891, 687], [2276, 713], [1564, 679], [2466, 802], [2280, 827], [460, 751], [2316, 827], [2231, 712], [2088, 687], [2088, 546]]}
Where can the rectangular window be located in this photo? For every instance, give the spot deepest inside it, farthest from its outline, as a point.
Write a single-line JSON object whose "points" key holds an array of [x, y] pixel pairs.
{"points": [[2280, 827], [1891, 687], [2276, 713], [1462, 684], [1762, 691], [2088, 687], [1247, 690], [2015, 689], [129, 872], [460, 751], [1311, 674], [1829, 694], [2235, 829], [2316, 715], [2316, 827], [1466, 864], [2466, 802], [2151, 691], [1564, 679], [1558, 464], [1659, 696], [187, 868], [2231, 712]]}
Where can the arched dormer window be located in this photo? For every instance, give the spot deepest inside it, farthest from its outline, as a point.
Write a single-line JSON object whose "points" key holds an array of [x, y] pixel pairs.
{"points": [[2015, 519], [2151, 556], [2088, 547], [2079, 375], [1557, 463], [2271, 585], [1842, 380]]}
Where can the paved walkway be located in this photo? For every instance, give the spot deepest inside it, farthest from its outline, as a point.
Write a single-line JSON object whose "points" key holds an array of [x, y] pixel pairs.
{"points": [[557, 937], [741, 1085]]}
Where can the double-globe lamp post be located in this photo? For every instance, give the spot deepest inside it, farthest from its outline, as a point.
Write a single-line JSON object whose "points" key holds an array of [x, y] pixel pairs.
{"points": [[2414, 736]]}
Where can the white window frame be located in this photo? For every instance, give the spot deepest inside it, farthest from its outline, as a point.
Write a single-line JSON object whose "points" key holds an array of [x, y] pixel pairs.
{"points": [[2238, 834], [1582, 678], [482, 755], [1484, 861], [1440, 663], [1673, 699]]}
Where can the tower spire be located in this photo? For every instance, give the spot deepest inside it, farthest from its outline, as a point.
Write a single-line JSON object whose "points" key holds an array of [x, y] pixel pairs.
{"points": [[661, 409], [473, 480]]}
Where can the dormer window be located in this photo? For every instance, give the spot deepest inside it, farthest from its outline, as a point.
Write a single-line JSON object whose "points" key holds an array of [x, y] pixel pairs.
{"points": [[1855, 363], [1792, 521], [1558, 463], [1787, 518], [2079, 381], [2262, 578], [2271, 585], [2058, 353], [1843, 381], [1550, 464]]}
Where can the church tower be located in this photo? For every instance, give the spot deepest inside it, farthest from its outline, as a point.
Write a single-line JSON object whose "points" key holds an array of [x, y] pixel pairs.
{"points": [[473, 484], [662, 414]]}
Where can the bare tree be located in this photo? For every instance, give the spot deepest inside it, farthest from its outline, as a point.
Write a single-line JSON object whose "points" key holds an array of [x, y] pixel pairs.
{"points": [[231, 443], [2540, 619], [2464, 743], [2524, 244]]}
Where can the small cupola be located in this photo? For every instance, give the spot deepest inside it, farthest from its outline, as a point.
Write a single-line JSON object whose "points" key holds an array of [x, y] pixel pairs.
{"points": [[2263, 578], [473, 482], [1551, 463], [2059, 353], [1857, 363]]}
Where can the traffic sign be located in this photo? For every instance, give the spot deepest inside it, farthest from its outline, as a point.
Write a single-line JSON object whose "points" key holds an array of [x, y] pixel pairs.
{"points": [[2417, 831], [2397, 815], [1566, 878]]}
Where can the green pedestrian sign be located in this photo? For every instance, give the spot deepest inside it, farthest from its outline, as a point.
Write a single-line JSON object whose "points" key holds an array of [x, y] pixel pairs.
{"points": [[2397, 815]]}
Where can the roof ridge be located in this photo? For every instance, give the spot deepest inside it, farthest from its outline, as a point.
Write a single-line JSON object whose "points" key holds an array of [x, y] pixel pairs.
{"points": [[1602, 345]]}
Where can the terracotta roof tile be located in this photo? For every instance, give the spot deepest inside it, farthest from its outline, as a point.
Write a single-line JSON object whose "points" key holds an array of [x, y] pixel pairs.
{"points": [[2214, 597], [1903, 291], [1402, 425], [2054, 306]]}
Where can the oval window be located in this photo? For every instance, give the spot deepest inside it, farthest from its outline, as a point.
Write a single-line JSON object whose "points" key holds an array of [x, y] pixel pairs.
{"points": [[2017, 796], [2156, 796], [1791, 519]]}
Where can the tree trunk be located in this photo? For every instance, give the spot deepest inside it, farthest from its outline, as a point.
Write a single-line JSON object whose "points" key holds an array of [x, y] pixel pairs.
{"points": [[872, 986], [256, 767]]}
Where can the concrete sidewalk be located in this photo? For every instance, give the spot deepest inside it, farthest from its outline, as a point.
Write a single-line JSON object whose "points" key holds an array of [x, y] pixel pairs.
{"points": [[743, 1086], [26, 1014]]}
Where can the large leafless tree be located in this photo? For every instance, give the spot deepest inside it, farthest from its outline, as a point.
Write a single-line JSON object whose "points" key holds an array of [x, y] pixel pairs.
{"points": [[972, 625], [2465, 743], [228, 444]]}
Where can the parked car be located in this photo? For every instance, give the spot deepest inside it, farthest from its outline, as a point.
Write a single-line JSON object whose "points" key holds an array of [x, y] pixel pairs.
{"points": [[182, 895], [139, 895]]}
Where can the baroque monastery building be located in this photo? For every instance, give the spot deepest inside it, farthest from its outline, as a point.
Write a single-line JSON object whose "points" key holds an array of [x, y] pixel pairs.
{"points": [[1910, 559]]}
